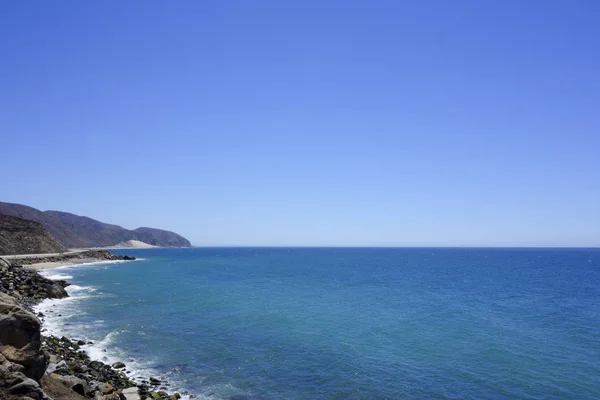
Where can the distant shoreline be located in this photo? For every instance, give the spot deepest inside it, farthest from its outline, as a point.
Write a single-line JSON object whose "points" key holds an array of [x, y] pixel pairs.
{"points": [[45, 261]]}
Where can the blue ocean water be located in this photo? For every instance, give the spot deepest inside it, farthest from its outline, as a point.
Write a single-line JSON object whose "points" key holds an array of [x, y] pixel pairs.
{"points": [[345, 323]]}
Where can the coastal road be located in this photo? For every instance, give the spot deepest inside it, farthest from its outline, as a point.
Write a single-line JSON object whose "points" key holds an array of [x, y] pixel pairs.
{"points": [[66, 253]]}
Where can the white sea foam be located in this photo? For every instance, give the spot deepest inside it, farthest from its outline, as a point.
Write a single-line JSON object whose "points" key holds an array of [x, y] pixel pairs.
{"points": [[57, 322], [54, 276], [92, 263], [107, 351], [73, 289]]}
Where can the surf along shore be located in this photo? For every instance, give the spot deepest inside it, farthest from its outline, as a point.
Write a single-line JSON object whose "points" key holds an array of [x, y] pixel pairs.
{"points": [[39, 367]]}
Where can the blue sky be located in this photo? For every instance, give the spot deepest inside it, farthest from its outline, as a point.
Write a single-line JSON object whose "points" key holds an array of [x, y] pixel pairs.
{"points": [[386, 123]]}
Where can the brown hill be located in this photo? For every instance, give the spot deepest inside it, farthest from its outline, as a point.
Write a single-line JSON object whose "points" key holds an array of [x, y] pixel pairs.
{"points": [[74, 231], [158, 237], [21, 236]]}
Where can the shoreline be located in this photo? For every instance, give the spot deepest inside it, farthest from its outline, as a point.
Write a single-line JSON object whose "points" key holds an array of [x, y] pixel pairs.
{"points": [[68, 371], [41, 261]]}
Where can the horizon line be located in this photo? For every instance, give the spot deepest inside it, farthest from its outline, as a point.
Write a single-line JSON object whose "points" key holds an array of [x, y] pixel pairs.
{"points": [[407, 247]]}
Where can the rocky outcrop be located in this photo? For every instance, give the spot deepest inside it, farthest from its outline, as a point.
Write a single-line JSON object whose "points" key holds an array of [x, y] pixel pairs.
{"points": [[21, 236], [27, 286], [74, 231], [15, 384], [20, 338]]}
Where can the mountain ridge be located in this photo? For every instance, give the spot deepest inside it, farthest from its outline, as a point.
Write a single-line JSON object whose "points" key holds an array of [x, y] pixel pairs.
{"points": [[75, 231]]}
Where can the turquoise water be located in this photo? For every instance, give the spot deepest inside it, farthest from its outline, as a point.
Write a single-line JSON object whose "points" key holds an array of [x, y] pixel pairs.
{"points": [[258, 323]]}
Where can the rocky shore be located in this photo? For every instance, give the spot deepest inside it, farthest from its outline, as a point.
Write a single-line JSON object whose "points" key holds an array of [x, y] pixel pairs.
{"points": [[33, 366], [79, 257]]}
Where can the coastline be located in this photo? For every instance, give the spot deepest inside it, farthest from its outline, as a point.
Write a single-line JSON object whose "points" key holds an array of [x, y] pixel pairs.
{"points": [[41, 261], [68, 370]]}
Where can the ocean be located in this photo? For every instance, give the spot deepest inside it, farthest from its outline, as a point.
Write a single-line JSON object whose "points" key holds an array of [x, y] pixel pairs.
{"points": [[344, 323]]}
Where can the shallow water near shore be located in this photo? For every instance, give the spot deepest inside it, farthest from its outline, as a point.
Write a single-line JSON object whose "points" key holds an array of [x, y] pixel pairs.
{"points": [[301, 323]]}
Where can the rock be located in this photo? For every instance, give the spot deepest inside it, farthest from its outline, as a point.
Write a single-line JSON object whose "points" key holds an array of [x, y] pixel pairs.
{"points": [[118, 365], [27, 388], [78, 385], [107, 389], [154, 381], [80, 342], [131, 393], [97, 365], [112, 396], [21, 338], [51, 368]]}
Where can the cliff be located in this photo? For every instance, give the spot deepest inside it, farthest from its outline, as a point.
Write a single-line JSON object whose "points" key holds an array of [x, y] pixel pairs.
{"points": [[74, 231], [20, 236]]}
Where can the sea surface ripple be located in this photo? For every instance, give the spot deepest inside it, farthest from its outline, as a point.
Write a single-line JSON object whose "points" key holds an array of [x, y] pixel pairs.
{"points": [[345, 323]]}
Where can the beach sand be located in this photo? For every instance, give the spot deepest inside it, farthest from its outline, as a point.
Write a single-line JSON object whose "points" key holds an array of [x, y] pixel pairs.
{"points": [[47, 265], [55, 260]]}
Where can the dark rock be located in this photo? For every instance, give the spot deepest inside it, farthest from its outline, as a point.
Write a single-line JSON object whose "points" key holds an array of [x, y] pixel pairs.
{"points": [[80, 342], [118, 365], [21, 338], [27, 388]]}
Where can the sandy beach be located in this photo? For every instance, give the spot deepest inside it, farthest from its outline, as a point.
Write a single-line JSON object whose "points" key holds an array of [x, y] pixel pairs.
{"points": [[66, 263]]}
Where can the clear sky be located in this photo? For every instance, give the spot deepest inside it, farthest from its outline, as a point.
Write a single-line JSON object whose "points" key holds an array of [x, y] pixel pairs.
{"points": [[386, 123]]}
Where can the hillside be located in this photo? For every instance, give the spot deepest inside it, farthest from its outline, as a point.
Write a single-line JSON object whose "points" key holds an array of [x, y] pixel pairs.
{"points": [[21, 236], [155, 236], [74, 231]]}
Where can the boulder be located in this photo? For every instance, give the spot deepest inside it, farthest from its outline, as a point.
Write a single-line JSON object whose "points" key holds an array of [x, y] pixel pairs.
{"points": [[20, 338], [107, 389], [27, 388], [118, 365], [131, 393], [74, 383]]}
